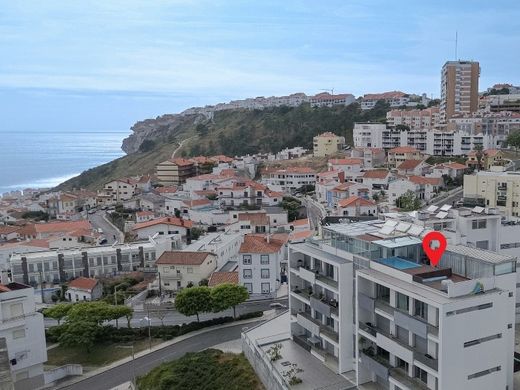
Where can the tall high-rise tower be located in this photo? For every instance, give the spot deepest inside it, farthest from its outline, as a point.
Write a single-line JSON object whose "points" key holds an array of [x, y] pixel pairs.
{"points": [[459, 88]]}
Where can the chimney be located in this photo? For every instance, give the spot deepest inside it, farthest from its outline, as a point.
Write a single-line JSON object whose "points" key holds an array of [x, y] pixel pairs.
{"points": [[268, 238]]}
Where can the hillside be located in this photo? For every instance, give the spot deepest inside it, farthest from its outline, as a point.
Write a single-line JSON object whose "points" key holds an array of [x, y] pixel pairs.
{"points": [[230, 132]]}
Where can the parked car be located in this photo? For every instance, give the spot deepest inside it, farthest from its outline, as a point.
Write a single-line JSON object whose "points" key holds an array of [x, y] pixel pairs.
{"points": [[277, 306]]}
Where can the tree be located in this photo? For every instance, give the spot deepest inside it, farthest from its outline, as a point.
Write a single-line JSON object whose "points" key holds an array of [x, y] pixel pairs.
{"points": [[408, 201], [193, 301], [202, 129], [196, 232], [513, 140], [58, 312], [117, 312], [147, 145], [204, 282], [160, 314], [80, 332], [228, 295], [479, 154]]}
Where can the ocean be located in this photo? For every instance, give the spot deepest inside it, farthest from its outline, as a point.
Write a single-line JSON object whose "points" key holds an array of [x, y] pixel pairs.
{"points": [[37, 159]]}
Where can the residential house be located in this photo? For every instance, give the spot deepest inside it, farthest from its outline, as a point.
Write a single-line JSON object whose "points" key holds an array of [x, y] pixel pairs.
{"points": [[488, 159], [377, 180], [81, 228], [450, 169], [144, 216], [400, 154], [260, 264], [355, 206], [119, 190], [175, 171], [9, 232], [163, 226], [413, 167], [84, 289], [347, 190], [393, 98], [327, 144], [350, 166], [372, 157], [289, 179], [424, 188], [181, 269]]}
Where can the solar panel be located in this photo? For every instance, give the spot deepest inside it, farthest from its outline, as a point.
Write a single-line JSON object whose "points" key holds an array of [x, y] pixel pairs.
{"points": [[478, 209], [442, 214], [403, 227], [387, 230], [432, 209], [415, 230], [446, 207]]}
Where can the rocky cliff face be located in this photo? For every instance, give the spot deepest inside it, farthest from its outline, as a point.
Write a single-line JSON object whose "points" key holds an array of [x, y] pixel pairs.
{"points": [[163, 128]]}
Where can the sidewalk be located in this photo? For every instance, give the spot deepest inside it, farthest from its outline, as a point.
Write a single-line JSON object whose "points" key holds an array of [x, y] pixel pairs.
{"points": [[267, 315]]}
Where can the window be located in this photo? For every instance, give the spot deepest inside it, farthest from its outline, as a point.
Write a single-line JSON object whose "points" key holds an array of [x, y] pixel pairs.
{"points": [[470, 309], [246, 259], [482, 340], [18, 333], [249, 287], [266, 288], [485, 372], [482, 244], [190, 270], [402, 301], [478, 224], [264, 259], [383, 293], [421, 309], [264, 273], [247, 273], [420, 374]]}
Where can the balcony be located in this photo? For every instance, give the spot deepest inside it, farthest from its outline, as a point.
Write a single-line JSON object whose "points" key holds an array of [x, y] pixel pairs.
{"points": [[375, 363], [324, 306], [328, 280], [427, 360], [302, 293], [368, 328], [329, 333], [172, 276], [308, 275], [402, 377], [306, 321]]}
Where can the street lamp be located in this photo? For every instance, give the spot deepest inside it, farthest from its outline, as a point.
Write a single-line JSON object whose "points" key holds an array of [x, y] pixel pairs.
{"points": [[133, 359]]}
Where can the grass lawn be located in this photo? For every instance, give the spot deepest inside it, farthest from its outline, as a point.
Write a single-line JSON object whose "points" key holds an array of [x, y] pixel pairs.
{"points": [[100, 355], [208, 369]]}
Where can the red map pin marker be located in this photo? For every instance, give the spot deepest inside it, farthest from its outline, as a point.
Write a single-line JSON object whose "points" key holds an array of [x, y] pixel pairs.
{"points": [[434, 254]]}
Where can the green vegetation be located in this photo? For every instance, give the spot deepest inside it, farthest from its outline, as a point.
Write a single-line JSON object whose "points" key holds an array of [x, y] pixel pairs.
{"points": [[208, 369], [36, 215], [513, 140], [109, 338], [202, 299], [228, 295], [232, 132], [84, 321], [292, 205], [196, 233], [408, 202]]}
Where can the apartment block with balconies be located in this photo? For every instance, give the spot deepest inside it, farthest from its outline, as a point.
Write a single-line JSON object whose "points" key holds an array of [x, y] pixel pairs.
{"points": [[448, 327], [320, 302]]}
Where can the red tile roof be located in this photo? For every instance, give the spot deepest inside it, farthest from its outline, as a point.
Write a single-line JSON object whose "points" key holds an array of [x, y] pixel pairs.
{"points": [[166, 190], [7, 229], [376, 174], [260, 244], [183, 257], [434, 181], [165, 220], [355, 201], [346, 161], [409, 164], [217, 278], [300, 222], [197, 202], [301, 235], [83, 283], [403, 149], [254, 218], [55, 227]]}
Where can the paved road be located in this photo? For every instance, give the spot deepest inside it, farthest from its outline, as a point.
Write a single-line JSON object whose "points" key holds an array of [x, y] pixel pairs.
{"points": [[142, 365], [450, 200], [109, 232], [175, 318], [314, 212]]}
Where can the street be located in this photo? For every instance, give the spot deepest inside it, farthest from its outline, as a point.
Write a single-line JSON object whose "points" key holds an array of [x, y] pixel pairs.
{"points": [[450, 199], [144, 364], [315, 212], [173, 317], [109, 232]]}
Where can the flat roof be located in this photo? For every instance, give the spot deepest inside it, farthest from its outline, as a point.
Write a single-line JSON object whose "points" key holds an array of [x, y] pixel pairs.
{"points": [[398, 242], [480, 254], [356, 228], [315, 251]]}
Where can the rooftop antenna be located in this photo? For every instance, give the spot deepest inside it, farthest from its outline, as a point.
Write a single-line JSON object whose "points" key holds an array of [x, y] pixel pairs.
{"points": [[456, 43]]}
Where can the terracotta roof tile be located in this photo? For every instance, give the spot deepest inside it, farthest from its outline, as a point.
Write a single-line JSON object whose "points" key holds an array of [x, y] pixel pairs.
{"points": [[254, 243], [183, 258], [403, 149], [254, 218], [355, 201], [376, 174], [83, 283], [165, 220], [217, 278], [409, 164]]}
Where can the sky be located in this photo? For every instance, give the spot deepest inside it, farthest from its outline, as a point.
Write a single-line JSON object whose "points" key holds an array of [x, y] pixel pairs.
{"points": [[103, 65]]}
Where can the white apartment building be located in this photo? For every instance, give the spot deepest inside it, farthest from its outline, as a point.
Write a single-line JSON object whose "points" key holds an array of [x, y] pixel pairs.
{"points": [[394, 98], [497, 124], [23, 329], [432, 142], [372, 157], [224, 245], [325, 99], [59, 266], [289, 179], [414, 322], [120, 190], [259, 266]]}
